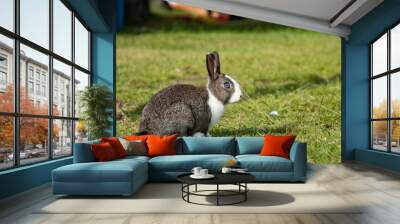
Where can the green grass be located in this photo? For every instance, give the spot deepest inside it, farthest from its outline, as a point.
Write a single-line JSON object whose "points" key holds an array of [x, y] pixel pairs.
{"points": [[292, 71]]}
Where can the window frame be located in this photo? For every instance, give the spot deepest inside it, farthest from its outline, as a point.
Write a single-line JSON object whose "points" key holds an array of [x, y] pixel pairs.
{"points": [[16, 114], [388, 74]]}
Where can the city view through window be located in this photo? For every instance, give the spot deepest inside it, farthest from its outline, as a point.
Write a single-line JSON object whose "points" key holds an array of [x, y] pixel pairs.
{"points": [[385, 80], [43, 69]]}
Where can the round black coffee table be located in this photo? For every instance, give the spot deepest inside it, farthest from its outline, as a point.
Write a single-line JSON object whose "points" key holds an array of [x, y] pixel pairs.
{"points": [[238, 179]]}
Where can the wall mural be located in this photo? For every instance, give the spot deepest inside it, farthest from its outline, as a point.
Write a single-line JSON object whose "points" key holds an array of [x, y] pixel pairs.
{"points": [[188, 110]]}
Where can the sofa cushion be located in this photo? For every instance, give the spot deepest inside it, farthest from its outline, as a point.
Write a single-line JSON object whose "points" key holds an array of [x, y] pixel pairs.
{"points": [[112, 171], [185, 163], [257, 163], [116, 145], [161, 145], [206, 145], [103, 152], [249, 145], [134, 147], [277, 145]]}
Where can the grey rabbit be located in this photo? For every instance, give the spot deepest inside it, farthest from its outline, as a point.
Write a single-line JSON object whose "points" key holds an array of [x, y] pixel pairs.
{"points": [[187, 110]]}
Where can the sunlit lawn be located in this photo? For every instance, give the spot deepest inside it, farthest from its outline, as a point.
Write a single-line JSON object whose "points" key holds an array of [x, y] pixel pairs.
{"points": [[291, 71]]}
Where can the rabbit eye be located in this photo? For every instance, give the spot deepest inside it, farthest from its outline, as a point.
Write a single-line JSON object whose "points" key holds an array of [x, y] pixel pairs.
{"points": [[227, 85]]}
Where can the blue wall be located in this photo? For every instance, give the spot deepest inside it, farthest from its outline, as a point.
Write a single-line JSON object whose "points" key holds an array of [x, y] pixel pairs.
{"points": [[100, 16], [103, 59], [24, 178], [355, 84]]}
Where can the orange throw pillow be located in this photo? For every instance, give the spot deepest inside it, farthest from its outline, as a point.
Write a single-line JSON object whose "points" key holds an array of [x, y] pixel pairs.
{"points": [[116, 145], [277, 145], [161, 145], [103, 152]]}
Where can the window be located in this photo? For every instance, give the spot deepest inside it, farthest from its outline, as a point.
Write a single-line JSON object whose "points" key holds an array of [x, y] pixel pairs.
{"points": [[34, 22], [30, 72], [62, 74], [47, 78], [62, 29], [3, 61], [385, 92], [3, 78], [3, 71], [7, 14], [44, 91], [30, 87], [38, 89], [81, 45], [6, 73], [38, 74]]}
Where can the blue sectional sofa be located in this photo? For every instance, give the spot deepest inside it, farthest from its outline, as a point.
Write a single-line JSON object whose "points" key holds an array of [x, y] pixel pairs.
{"points": [[125, 176]]}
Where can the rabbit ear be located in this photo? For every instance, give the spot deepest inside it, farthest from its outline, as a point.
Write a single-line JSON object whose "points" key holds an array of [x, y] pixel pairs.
{"points": [[213, 65]]}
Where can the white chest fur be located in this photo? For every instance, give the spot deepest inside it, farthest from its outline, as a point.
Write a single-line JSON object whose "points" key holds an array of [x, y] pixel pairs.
{"points": [[216, 107]]}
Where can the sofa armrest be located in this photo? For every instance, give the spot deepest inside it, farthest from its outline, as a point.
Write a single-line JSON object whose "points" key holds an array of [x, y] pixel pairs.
{"points": [[83, 152], [298, 155]]}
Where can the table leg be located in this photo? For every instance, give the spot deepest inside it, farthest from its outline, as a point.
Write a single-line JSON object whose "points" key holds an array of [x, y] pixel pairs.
{"points": [[245, 193], [188, 190], [217, 194], [195, 188]]}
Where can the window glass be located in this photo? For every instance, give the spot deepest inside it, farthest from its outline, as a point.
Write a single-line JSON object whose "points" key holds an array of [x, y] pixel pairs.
{"points": [[7, 14], [39, 62], [34, 21], [395, 136], [379, 56], [62, 29], [395, 95], [62, 89], [81, 82], [62, 137], [81, 45], [379, 100], [81, 131], [33, 140], [6, 142], [379, 135], [395, 47], [6, 74]]}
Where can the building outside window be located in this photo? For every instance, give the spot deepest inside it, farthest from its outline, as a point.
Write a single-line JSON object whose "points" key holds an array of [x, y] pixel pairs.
{"points": [[3, 72], [37, 75], [30, 87], [30, 72], [43, 90], [3, 78], [38, 89], [56, 128], [385, 94]]}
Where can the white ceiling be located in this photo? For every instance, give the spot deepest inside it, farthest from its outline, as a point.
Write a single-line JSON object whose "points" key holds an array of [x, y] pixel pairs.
{"points": [[321, 9], [327, 16]]}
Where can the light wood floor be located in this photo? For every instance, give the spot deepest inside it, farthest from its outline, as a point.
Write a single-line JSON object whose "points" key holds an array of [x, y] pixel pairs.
{"points": [[379, 189]]}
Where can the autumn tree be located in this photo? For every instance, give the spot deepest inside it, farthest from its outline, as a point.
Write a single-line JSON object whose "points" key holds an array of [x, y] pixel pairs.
{"points": [[33, 131], [380, 127]]}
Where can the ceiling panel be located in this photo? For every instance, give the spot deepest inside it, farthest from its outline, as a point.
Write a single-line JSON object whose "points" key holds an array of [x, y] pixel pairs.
{"points": [[319, 9]]}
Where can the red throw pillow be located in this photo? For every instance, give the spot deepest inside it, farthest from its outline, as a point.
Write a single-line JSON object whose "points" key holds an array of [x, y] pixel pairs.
{"points": [[103, 152], [277, 145], [116, 145], [161, 145]]}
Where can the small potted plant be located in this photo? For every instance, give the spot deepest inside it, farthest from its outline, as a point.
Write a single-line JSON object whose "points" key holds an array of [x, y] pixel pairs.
{"points": [[97, 103]]}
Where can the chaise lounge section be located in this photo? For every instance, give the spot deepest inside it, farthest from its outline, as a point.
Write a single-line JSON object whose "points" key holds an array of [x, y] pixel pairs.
{"points": [[125, 176]]}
